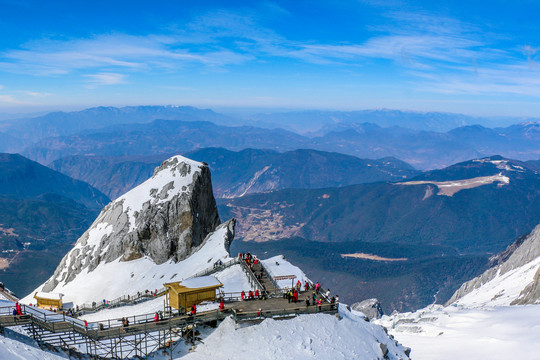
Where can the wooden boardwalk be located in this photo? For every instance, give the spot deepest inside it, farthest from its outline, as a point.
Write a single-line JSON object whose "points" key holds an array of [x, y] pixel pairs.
{"points": [[109, 339]]}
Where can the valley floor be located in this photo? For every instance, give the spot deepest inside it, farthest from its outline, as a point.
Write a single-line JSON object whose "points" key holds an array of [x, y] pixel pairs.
{"points": [[509, 332]]}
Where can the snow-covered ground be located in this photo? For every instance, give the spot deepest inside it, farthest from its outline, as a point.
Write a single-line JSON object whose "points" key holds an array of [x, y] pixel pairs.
{"points": [[119, 278], [455, 332], [503, 289], [232, 278], [278, 266], [16, 350], [319, 336]]}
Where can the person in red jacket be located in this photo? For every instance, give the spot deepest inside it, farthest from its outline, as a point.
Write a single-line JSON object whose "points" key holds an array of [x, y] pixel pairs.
{"points": [[243, 295], [156, 317], [250, 295], [257, 294], [221, 306]]}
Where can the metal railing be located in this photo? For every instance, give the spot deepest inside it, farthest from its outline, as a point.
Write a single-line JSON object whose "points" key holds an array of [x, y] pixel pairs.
{"points": [[215, 268], [145, 296], [267, 274], [283, 313], [120, 301], [253, 281]]}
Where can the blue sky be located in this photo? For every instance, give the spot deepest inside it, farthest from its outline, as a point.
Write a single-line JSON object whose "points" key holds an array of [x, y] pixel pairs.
{"points": [[473, 57]]}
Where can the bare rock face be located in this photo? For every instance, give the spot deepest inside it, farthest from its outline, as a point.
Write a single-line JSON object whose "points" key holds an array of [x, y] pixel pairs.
{"points": [[524, 251], [164, 218], [370, 307]]}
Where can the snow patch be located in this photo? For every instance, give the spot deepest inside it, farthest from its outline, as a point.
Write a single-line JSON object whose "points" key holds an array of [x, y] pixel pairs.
{"points": [[278, 266], [449, 188]]}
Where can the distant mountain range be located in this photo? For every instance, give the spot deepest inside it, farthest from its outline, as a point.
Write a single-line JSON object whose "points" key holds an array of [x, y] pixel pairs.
{"points": [[424, 140], [318, 123], [421, 149], [42, 212], [239, 173], [69, 123]]}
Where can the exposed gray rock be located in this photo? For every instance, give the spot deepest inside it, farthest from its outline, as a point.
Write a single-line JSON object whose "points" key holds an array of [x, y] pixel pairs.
{"points": [[370, 307], [531, 293], [384, 349], [165, 218], [527, 250]]}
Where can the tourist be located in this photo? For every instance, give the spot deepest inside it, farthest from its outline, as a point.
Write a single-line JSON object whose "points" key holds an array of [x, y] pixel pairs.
{"points": [[156, 317], [18, 308], [306, 286], [243, 295], [221, 306], [257, 294], [317, 287]]}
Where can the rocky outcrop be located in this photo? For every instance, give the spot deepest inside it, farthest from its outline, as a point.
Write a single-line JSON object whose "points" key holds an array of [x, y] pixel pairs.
{"points": [[523, 252], [164, 218], [370, 307]]}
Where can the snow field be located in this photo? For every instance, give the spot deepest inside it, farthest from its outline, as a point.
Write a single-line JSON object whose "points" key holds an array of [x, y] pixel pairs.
{"points": [[319, 336], [278, 266], [454, 332]]}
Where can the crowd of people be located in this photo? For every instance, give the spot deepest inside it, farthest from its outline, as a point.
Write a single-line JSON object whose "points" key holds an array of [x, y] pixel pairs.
{"points": [[249, 259]]}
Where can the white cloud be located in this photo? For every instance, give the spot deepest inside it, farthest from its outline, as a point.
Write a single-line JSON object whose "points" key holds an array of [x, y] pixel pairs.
{"points": [[106, 79], [9, 99]]}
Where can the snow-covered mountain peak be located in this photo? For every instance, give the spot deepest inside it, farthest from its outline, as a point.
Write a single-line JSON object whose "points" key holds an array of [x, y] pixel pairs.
{"points": [[163, 219], [174, 176]]}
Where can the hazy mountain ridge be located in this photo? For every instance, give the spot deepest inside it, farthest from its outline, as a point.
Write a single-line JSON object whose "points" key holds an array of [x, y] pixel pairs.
{"points": [[421, 149], [243, 172], [162, 136], [68, 123], [318, 122], [112, 175]]}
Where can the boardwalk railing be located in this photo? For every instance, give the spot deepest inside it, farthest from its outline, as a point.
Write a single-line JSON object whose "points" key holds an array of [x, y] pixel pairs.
{"points": [[267, 274], [283, 313], [215, 268], [120, 301], [145, 296], [251, 276]]}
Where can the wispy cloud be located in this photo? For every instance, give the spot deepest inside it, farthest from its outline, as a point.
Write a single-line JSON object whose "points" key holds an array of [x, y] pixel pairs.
{"points": [[431, 49], [9, 99], [105, 79]]}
